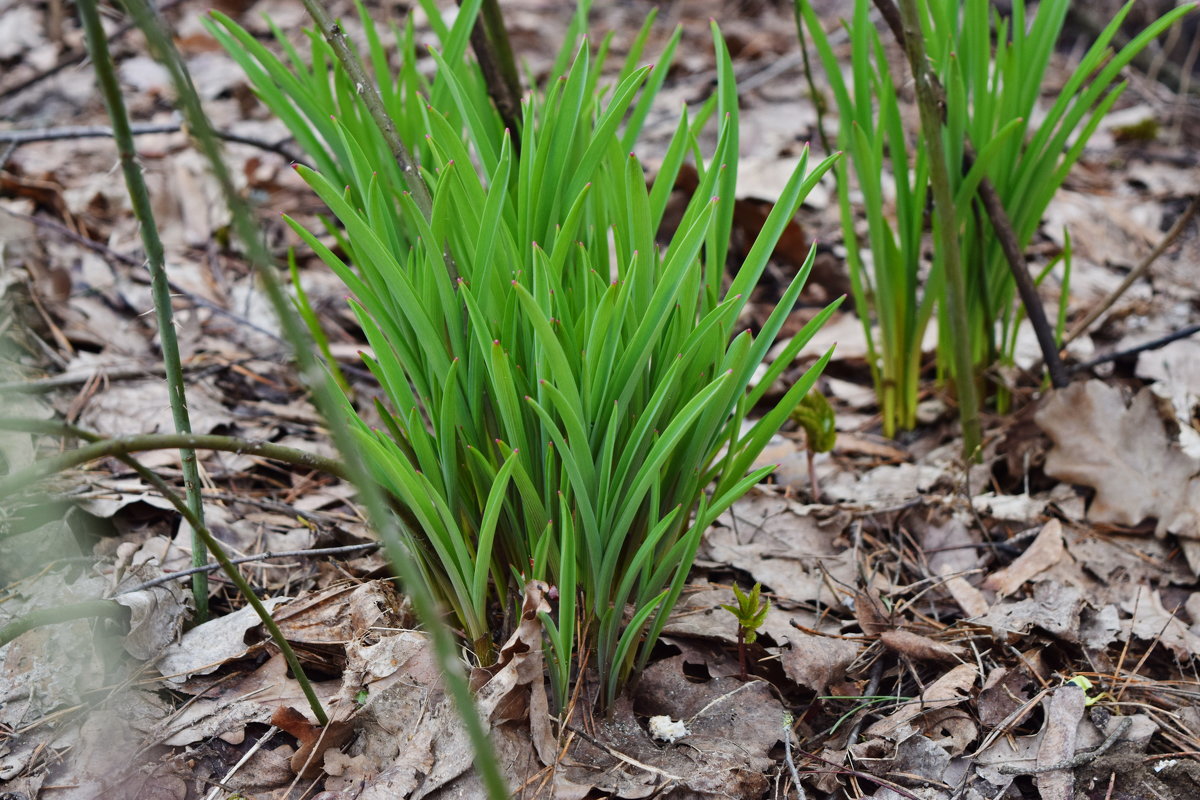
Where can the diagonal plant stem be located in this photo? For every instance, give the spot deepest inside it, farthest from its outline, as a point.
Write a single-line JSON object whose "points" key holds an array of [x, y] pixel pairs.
{"points": [[139, 196], [329, 401], [489, 40], [946, 226], [108, 607], [231, 571], [101, 447], [336, 37]]}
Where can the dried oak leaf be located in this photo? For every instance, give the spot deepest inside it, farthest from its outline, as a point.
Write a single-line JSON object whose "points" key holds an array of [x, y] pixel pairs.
{"points": [[1125, 453]]}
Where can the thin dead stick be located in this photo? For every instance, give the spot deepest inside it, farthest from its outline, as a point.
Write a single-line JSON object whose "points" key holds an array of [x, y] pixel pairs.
{"points": [[63, 380], [631, 761], [1153, 344], [844, 770], [320, 551], [787, 755], [73, 59], [1137, 272], [493, 50], [19, 137], [336, 37], [1001, 224], [1078, 760], [128, 260], [262, 740]]}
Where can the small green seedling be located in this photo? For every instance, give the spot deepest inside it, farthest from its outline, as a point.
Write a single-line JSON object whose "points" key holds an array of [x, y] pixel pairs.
{"points": [[815, 416], [751, 612], [1087, 686]]}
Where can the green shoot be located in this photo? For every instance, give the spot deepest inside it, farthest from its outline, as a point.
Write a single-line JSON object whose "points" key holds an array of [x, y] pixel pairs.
{"points": [[815, 416], [751, 612]]}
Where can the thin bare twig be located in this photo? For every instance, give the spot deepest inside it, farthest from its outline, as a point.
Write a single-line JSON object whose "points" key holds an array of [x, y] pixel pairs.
{"points": [[73, 58], [19, 137], [336, 37], [1078, 760], [1153, 344], [787, 756], [1168, 239], [320, 551], [630, 760]]}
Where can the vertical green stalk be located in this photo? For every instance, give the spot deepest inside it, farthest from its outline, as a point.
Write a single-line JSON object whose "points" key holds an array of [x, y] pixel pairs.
{"points": [[139, 196], [328, 400], [946, 228]]}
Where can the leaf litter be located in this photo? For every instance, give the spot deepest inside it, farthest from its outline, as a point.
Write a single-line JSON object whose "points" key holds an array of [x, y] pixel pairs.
{"points": [[927, 630]]}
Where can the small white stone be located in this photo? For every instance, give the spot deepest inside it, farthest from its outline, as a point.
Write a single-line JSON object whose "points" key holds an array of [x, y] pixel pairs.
{"points": [[666, 729]]}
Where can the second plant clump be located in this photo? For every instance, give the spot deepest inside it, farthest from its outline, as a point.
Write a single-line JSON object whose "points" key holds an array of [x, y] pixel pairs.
{"points": [[567, 400], [993, 68]]}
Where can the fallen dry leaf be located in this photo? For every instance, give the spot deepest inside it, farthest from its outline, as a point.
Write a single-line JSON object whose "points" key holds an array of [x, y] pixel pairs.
{"points": [[206, 647], [1053, 607], [156, 615], [1150, 621], [790, 551], [1043, 553], [321, 624], [948, 690], [920, 648], [1125, 453], [1064, 709]]}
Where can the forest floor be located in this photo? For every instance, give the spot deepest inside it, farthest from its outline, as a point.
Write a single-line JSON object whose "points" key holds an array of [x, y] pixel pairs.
{"points": [[1025, 626]]}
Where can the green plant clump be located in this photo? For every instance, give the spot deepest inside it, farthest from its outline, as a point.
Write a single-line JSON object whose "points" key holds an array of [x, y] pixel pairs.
{"points": [[566, 398], [992, 68]]}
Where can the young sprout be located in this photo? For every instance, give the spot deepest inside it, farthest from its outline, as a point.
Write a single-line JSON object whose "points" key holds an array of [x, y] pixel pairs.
{"points": [[815, 416], [750, 617]]}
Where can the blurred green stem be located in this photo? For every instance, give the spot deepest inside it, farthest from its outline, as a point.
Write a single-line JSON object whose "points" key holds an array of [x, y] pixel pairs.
{"points": [[101, 447], [139, 197], [945, 228], [327, 398], [65, 613]]}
